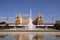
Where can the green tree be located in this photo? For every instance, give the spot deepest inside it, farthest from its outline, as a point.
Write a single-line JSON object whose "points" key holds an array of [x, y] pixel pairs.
{"points": [[2, 22], [57, 26]]}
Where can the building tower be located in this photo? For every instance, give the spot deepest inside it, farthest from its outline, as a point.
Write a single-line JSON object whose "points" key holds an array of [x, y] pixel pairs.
{"points": [[18, 19], [40, 19]]}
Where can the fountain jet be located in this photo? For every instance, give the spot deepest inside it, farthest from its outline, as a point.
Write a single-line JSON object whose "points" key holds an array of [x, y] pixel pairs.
{"points": [[30, 24]]}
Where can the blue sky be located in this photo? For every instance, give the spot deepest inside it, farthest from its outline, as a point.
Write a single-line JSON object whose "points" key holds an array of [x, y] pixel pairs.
{"points": [[49, 8]]}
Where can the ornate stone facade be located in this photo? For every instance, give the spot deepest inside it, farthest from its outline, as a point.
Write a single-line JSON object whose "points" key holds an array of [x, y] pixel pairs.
{"points": [[40, 19], [20, 20]]}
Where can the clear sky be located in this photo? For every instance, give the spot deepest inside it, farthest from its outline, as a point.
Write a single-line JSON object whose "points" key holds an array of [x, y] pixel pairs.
{"points": [[49, 8]]}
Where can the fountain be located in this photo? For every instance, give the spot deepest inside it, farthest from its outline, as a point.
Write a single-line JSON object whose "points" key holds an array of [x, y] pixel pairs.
{"points": [[30, 24], [30, 28]]}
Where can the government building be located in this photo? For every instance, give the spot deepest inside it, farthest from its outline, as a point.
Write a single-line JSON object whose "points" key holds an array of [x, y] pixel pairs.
{"points": [[39, 20]]}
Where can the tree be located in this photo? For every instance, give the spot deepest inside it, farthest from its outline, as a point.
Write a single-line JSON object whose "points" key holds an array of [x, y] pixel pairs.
{"points": [[2, 22], [57, 26]]}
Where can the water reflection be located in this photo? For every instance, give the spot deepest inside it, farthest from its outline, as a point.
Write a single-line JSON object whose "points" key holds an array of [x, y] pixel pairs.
{"points": [[46, 37], [50, 37], [10, 37]]}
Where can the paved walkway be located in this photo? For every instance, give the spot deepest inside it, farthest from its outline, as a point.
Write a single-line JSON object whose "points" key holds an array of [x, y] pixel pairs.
{"points": [[40, 32]]}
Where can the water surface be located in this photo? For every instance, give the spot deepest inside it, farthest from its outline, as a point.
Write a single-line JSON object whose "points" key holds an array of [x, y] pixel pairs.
{"points": [[46, 37]]}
